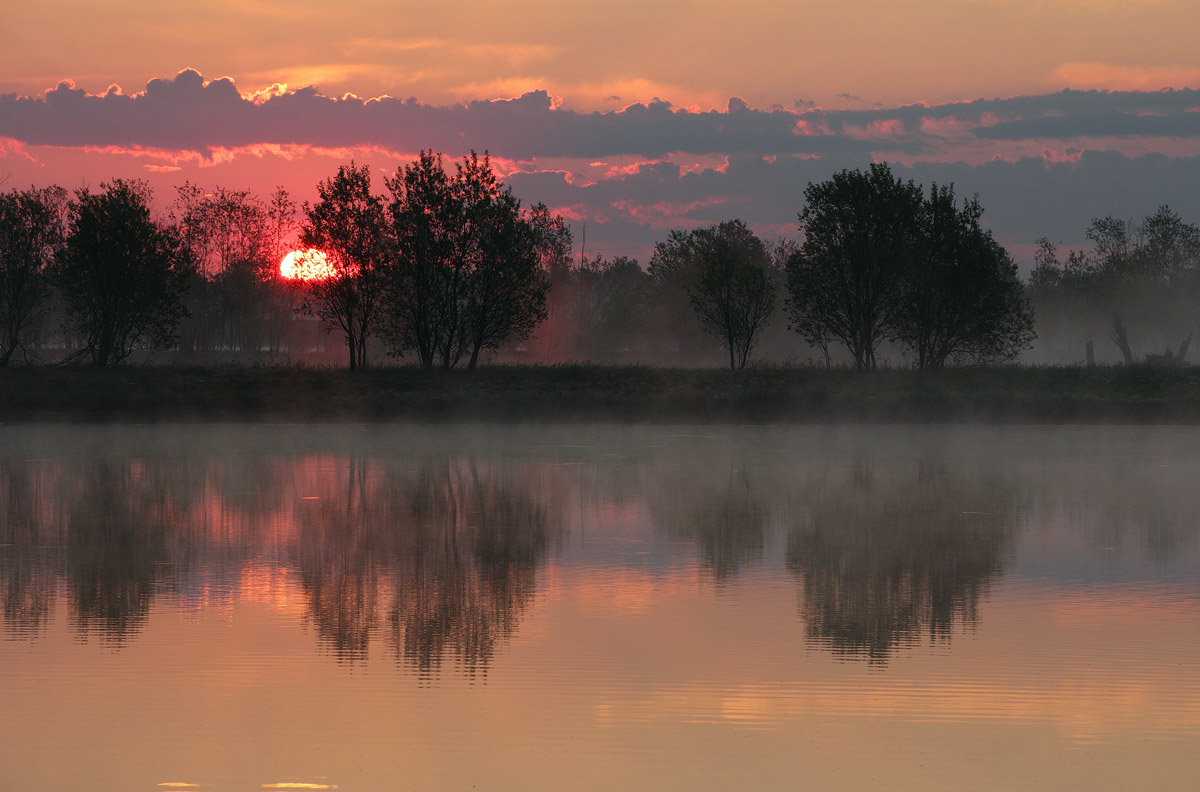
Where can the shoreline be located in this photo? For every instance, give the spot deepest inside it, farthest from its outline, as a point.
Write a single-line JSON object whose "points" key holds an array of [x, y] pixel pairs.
{"points": [[602, 394]]}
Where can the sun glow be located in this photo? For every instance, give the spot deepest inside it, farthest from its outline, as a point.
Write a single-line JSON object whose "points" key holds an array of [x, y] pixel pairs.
{"points": [[307, 265]]}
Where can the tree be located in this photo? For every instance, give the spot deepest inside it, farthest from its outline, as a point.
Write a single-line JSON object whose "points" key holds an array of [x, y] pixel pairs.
{"points": [[674, 275], [123, 276], [962, 300], [606, 307], [733, 295], [236, 299], [556, 333], [31, 236], [347, 225], [507, 287], [425, 220], [845, 283], [468, 273]]}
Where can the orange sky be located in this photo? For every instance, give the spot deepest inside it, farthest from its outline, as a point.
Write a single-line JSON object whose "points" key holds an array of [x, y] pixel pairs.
{"points": [[690, 52]]}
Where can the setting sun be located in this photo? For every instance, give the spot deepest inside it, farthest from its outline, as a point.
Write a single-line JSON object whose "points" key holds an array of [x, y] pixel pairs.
{"points": [[308, 265]]}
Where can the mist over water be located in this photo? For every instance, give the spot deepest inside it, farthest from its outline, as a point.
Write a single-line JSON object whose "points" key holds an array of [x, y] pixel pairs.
{"points": [[656, 607]]}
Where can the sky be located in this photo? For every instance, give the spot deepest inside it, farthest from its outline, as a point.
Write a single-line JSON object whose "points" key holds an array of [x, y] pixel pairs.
{"points": [[634, 117]]}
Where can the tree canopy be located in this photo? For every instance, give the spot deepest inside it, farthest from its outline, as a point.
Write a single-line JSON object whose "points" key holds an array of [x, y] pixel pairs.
{"points": [[468, 273], [123, 275], [962, 300], [881, 261], [728, 285], [31, 236], [347, 225], [860, 238]]}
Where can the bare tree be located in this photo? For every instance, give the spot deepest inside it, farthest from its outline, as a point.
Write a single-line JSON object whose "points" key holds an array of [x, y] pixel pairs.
{"points": [[236, 299], [1121, 339]]}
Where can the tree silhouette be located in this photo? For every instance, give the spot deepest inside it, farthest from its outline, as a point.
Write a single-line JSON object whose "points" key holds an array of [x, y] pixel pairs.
{"points": [[123, 275], [605, 306], [963, 300], [31, 236], [506, 298], [734, 295], [846, 282], [347, 224], [424, 215], [674, 276], [469, 272], [236, 299]]}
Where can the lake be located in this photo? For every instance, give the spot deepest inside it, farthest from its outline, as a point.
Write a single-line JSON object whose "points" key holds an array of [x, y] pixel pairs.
{"points": [[599, 607]]}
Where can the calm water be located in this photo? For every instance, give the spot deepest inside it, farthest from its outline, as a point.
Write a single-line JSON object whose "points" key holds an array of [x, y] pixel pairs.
{"points": [[572, 608]]}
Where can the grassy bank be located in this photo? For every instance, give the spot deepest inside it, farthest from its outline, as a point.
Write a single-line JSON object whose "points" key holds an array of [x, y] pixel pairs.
{"points": [[599, 393]]}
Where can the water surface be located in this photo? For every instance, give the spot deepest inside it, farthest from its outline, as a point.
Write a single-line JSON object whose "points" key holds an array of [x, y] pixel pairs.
{"points": [[455, 607]]}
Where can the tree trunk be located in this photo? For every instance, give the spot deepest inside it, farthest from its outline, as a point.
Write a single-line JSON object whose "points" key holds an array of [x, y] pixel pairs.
{"points": [[1121, 339], [103, 351]]}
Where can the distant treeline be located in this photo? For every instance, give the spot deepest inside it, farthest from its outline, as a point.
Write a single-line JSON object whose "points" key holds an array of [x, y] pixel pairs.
{"points": [[447, 268], [1139, 286]]}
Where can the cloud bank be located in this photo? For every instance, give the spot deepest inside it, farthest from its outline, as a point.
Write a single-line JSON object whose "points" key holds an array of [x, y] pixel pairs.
{"points": [[191, 114], [1043, 164]]}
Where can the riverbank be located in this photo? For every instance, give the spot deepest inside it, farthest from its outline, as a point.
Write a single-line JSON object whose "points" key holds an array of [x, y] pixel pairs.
{"points": [[1011, 394]]}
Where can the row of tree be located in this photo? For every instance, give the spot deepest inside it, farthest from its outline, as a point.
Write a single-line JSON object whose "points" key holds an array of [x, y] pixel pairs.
{"points": [[448, 267], [880, 261], [454, 267]]}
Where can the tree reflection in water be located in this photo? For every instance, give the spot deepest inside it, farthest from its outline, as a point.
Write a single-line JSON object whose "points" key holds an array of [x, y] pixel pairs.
{"points": [[723, 514], [104, 530], [446, 549], [884, 561], [28, 583], [431, 554], [436, 557]]}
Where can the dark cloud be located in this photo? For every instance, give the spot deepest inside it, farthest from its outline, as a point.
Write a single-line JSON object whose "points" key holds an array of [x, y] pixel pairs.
{"points": [[187, 113], [1064, 115]]}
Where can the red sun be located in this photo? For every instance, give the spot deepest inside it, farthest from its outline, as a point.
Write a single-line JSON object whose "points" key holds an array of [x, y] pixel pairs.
{"points": [[306, 265]]}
